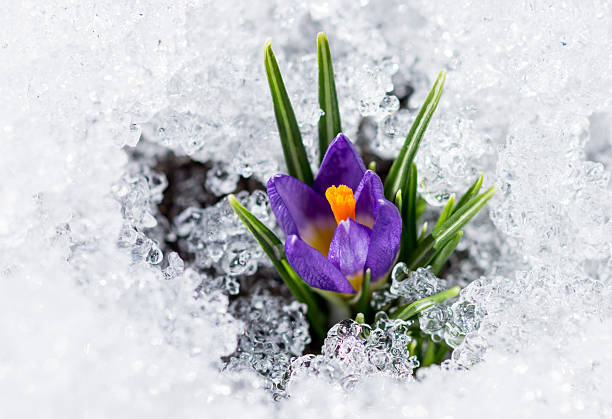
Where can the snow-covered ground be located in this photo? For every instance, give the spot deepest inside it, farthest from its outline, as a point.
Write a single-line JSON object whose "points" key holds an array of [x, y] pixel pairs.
{"points": [[101, 318]]}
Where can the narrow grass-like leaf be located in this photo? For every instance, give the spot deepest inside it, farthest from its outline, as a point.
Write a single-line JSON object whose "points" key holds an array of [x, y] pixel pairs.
{"points": [[398, 200], [442, 256], [434, 242], [470, 193], [406, 155], [415, 308], [268, 241], [363, 304], [329, 123], [423, 253], [412, 346], [271, 245], [446, 212], [419, 347], [420, 207], [408, 212], [459, 219], [423, 232], [288, 129], [443, 349], [273, 248], [430, 353]]}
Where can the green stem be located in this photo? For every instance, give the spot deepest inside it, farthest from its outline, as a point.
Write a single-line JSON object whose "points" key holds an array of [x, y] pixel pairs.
{"points": [[363, 303]]}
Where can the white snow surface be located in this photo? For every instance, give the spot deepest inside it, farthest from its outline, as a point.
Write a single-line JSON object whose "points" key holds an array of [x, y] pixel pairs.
{"points": [[92, 327]]}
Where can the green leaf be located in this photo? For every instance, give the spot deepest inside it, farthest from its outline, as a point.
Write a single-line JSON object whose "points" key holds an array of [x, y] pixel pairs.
{"points": [[442, 256], [412, 346], [443, 349], [398, 199], [273, 247], [430, 353], [268, 241], [406, 155], [423, 232], [423, 253], [290, 136], [446, 212], [415, 308], [434, 242], [420, 207], [418, 350], [363, 303], [329, 123], [461, 217], [408, 212], [470, 193]]}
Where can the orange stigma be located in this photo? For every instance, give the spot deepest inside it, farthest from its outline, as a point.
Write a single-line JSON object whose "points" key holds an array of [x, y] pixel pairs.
{"points": [[342, 202]]}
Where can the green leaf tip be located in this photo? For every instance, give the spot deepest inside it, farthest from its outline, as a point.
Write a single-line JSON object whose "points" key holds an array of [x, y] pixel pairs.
{"points": [[398, 200], [268, 241], [446, 211], [471, 192], [329, 122], [411, 145], [294, 151], [461, 217], [434, 243]]}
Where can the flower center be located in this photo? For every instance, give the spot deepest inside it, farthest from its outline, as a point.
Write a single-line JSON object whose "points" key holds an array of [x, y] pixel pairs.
{"points": [[342, 202]]}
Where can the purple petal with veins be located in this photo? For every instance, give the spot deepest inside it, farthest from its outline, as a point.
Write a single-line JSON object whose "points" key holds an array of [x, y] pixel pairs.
{"points": [[342, 165], [369, 191], [385, 240], [314, 268]]}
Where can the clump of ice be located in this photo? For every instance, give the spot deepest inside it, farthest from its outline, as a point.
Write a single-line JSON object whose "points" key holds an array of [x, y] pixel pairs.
{"points": [[226, 78], [140, 190], [451, 320], [408, 286], [275, 331], [218, 239], [90, 327], [353, 351]]}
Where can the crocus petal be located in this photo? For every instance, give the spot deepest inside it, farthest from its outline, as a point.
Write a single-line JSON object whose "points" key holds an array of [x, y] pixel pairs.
{"points": [[342, 165], [349, 249], [369, 191], [385, 240], [300, 210], [314, 268]]}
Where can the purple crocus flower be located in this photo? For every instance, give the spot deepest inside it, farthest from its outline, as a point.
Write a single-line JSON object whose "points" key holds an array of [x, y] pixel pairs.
{"points": [[333, 234]]}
